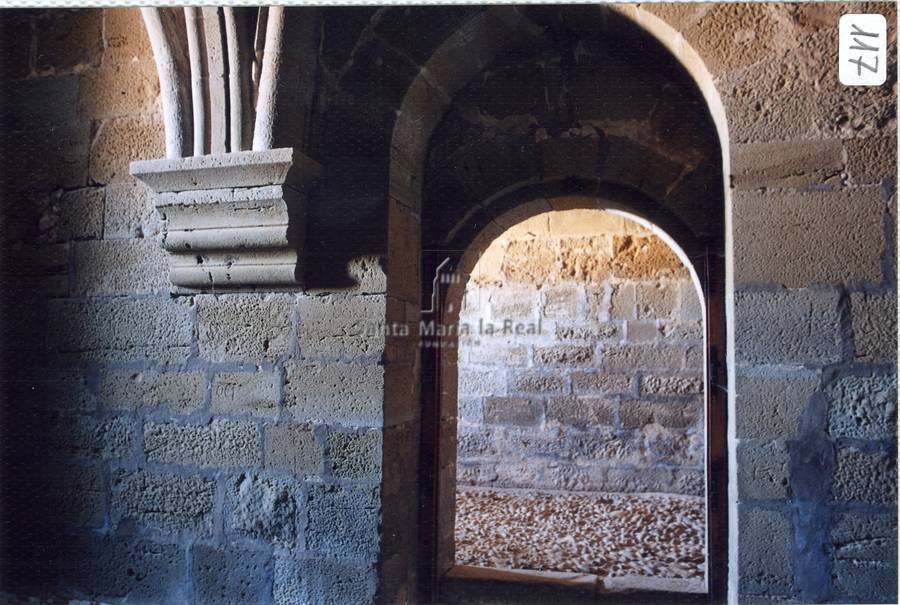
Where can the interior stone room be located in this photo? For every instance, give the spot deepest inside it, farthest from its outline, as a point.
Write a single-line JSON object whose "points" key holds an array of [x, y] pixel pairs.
{"points": [[249, 255]]}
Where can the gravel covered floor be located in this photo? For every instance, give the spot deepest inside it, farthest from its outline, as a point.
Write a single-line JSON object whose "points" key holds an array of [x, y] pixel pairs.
{"points": [[608, 535]]}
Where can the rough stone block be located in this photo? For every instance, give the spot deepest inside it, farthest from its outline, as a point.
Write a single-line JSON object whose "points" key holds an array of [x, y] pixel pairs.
{"points": [[89, 437], [129, 212], [585, 259], [645, 258], [765, 556], [863, 407], [581, 411], [591, 382], [512, 410], [650, 357], [126, 36], [770, 407], [221, 443], [122, 330], [244, 327], [671, 385], [473, 382], [783, 164], [867, 581], [470, 410], [656, 300], [341, 327], [181, 392], [538, 383], [563, 355], [343, 521], [789, 326], [121, 141], [162, 501], [762, 470], [230, 576], [676, 415], [355, 455], [269, 509], [661, 444], [529, 261], [126, 569], [293, 447], [874, 320], [335, 393], [862, 477], [691, 303], [119, 90], [78, 215], [515, 356], [68, 39], [120, 267], [622, 303], [842, 237], [513, 302], [560, 302], [254, 393], [871, 159], [865, 536], [329, 582]]}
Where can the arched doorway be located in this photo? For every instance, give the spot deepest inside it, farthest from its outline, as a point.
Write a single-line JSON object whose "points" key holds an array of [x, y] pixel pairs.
{"points": [[552, 106]]}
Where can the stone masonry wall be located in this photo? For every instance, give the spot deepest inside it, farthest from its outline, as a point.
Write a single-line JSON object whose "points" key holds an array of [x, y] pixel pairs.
{"points": [[603, 389], [194, 449]]}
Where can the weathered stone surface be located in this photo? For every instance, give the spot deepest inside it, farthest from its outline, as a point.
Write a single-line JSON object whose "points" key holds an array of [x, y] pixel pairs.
{"points": [[528, 261], [68, 39], [293, 447], [15, 43], [645, 257], [254, 393], [88, 437], [643, 356], [53, 389], [129, 212], [181, 392], [514, 302], [868, 581], [865, 536], [586, 259], [622, 303], [482, 383], [269, 509], [70, 494], [863, 407], [221, 443], [565, 355], [862, 477], [334, 393], [671, 385], [341, 327], [656, 300], [122, 140], [126, 36], [874, 320], [788, 326], [560, 303], [62, 152], [329, 582], [762, 470], [676, 415], [581, 411], [765, 554], [842, 237], [229, 576], [537, 383], [120, 267], [661, 444], [691, 305], [590, 382], [770, 407], [163, 501], [871, 159], [512, 410], [782, 164], [76, 215], [343, 521], [586, 331], [119, 90], [126, 569], [122, 329], [515, 356], [355, 455], [244, 327]]}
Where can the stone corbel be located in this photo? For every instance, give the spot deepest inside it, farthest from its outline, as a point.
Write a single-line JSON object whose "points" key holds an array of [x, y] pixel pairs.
{"points": [[231, 193], [233, 220]]}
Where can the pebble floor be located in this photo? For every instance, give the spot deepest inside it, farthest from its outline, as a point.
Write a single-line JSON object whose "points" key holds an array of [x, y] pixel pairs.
{"points": [[659, 536]]}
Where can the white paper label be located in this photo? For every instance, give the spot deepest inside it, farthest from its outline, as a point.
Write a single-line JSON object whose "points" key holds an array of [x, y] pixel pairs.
{"points": [[863, 51]]}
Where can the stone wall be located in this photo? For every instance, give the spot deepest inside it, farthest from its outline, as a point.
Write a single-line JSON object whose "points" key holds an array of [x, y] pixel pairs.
{"points": [[200, 447], [602, 389], [159, 448]]}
